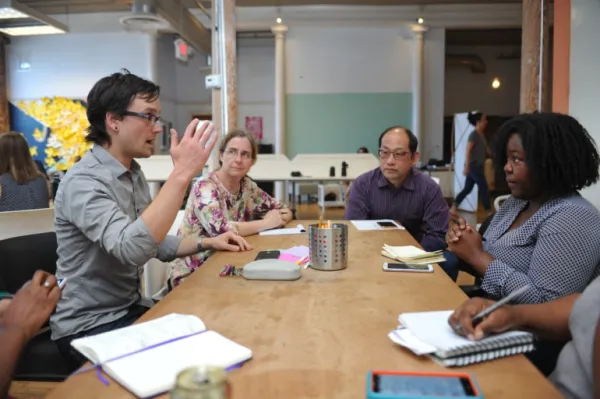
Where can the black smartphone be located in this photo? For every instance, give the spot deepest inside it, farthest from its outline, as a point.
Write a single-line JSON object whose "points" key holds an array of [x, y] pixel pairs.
{"points": [[273, 254], [407, 267], [425, 385], [386, 224]]}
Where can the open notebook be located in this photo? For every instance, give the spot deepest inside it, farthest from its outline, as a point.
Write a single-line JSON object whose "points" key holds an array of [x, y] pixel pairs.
{"points": [[150, 355], [428, 333]]}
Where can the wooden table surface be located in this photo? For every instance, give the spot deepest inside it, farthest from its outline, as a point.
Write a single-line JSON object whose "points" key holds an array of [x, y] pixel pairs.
{"points": [[318, 336]]}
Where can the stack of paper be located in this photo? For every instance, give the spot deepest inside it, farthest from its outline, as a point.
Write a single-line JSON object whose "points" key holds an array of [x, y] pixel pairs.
{"points": [[412, 255]]}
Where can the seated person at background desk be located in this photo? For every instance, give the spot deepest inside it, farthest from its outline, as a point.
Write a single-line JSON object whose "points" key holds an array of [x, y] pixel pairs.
{"points": [[546, 235], [22, 185], [106, 226], [396, 190], [227, 201], [573, 319]]}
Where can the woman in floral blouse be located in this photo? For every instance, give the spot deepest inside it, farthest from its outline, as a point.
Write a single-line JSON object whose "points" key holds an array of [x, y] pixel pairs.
{"points": [[228, 200]]}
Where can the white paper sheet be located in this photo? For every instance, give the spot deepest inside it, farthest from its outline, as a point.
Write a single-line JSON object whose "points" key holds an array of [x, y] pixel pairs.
{"points": [[280, 232], [365, 225]]}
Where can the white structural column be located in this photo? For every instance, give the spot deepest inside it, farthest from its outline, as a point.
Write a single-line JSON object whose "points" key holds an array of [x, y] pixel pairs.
{"points": [[154, 187], [279, 31], [417, 80]]}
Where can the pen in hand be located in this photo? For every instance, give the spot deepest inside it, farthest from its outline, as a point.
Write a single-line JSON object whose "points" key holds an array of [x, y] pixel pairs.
{"points": [[478, 318]]}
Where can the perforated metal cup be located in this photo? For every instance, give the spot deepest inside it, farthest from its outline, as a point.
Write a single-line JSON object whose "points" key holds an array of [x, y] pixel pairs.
{"points": [[328, 246]]}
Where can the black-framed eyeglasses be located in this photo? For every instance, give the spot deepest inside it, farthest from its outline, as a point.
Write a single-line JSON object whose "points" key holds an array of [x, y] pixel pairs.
{"points": [[398, 155], [152, 118]]}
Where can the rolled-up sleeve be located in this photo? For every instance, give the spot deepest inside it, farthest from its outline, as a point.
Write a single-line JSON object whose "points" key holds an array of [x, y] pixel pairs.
{"points": [[90, 207], [167, 250]]}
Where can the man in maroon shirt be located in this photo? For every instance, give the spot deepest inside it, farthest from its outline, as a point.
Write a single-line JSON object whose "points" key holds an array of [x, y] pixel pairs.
{"points": [[396, 190]]}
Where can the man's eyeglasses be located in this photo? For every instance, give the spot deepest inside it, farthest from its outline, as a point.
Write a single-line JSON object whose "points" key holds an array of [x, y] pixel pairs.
{"points": [[233, 153], [152, 118], [398, 155]]}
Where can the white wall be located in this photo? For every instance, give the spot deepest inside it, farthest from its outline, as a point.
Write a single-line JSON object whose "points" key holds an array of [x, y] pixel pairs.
{"points": [[166, 77], [192, 96], [69, 65], [467, 91], [256, 84], [585, 64], [432, 136], [348, 60]]}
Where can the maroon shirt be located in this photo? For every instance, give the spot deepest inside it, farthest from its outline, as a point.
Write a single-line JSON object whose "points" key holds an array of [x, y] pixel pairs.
{"points": [[418, 204]]}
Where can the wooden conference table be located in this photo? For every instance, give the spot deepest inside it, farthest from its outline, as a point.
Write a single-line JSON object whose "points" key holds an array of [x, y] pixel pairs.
{"points": [[318, 336]]}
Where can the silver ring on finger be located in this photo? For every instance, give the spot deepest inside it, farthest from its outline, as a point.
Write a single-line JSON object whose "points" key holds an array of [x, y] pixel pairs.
{"points": [[46, 284]]}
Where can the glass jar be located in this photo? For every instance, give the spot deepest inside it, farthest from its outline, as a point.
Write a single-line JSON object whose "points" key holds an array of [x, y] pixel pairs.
{"points": [[202, 382]]}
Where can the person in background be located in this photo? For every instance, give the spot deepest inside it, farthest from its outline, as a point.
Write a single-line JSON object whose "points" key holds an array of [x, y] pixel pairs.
{"points": [[477, 151], [362, 150], [106, 226], [573, 319], [227, 200], [396, 190], [22, 185], [21, 318], [545, 235]]}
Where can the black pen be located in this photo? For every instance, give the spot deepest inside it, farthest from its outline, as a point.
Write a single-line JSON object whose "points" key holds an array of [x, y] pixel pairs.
{"points": [[478, 318]]}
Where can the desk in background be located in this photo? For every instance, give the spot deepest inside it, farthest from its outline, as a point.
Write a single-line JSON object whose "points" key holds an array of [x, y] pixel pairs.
{"points": [[318, 336]]}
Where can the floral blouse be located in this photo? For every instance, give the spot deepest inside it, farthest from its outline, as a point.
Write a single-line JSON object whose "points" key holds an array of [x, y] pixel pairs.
{"points": [[211, 210]]}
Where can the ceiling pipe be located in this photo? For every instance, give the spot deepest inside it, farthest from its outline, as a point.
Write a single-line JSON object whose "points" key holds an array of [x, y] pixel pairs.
{"points": [[472, 61]]}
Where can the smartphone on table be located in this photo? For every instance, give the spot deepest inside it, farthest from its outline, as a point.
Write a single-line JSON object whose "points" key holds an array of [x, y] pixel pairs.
{"points": [[387, 224], [271, 254], [383, 384], [405, 267]]}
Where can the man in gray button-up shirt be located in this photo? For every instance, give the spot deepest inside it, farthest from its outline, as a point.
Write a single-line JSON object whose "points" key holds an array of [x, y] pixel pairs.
{"points": [[106, 225]]}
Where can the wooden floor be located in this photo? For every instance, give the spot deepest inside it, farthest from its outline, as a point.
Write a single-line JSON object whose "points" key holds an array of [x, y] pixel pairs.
{"points": [[33, 390]]}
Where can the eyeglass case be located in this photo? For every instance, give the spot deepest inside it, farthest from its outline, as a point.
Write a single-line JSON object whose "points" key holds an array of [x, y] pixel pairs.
{"points": [[271, 269]]}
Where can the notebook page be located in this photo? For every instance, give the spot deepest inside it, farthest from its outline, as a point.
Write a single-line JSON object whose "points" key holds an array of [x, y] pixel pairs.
{"points": [[433, 329], [101, 347], [154, 371]]}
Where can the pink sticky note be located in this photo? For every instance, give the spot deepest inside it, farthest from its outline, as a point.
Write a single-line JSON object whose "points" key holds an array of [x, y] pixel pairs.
{"points": [[289, 258]]}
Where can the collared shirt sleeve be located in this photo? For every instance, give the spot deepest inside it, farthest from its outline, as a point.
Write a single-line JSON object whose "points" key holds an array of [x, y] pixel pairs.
{"points": [[435, 218], [357, 207], [565, 258], [89, 205], [167, 250]]}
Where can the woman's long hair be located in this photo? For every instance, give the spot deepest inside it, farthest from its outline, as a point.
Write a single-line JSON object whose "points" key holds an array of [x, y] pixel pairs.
{"points": [[15, 158]]}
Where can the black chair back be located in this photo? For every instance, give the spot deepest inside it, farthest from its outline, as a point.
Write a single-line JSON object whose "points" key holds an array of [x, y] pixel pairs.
{"points": [[20, 258]]}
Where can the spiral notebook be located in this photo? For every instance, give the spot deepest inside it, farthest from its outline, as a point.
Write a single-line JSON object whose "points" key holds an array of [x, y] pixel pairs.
{"points": [[428, 333]]}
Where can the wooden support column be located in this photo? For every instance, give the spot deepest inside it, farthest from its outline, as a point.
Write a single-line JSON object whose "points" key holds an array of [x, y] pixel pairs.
{"points": [[216, 93], [4, 114], [224, 63], [535, 56], [561, 63]]}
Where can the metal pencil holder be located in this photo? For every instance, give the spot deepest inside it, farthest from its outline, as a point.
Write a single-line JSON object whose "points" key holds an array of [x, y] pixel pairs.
{"points": [[328, 246]]}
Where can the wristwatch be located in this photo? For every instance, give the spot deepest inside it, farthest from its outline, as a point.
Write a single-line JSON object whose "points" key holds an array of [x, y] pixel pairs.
{"points": [[199, 243]]}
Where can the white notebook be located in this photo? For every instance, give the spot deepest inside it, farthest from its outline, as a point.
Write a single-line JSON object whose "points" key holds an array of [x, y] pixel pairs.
{"points": [[429, 333], [152, 364]]}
